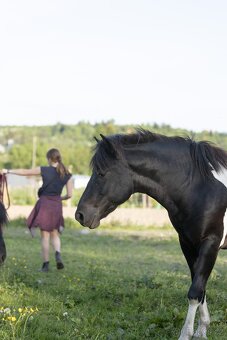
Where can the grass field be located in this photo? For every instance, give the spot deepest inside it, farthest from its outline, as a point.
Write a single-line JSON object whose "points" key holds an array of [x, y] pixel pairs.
{"points": [[115, 285]]}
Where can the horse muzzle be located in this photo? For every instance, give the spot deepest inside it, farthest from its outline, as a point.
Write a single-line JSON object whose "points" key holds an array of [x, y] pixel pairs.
{"points": [[91, 222]]}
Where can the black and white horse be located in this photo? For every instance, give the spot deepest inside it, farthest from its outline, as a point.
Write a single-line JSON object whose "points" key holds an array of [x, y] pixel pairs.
{"points": [[188, 178]]}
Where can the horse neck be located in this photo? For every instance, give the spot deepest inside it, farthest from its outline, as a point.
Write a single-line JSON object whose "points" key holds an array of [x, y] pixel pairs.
{"points": [[158, 171]]}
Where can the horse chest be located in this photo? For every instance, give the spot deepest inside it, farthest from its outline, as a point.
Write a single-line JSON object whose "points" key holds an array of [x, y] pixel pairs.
{"points": [[222, 177], [223, 243]]}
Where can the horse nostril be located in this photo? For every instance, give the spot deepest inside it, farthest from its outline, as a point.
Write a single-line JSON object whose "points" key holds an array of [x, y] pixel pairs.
{"points": [[80, 217]]}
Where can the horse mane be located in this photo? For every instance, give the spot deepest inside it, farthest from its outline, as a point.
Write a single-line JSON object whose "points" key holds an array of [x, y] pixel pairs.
{"points": [[208, 157], [205, 155]]}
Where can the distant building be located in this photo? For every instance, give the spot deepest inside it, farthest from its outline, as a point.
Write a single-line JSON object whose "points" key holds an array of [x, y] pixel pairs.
{"points": [[2, 148], [10, 142]]}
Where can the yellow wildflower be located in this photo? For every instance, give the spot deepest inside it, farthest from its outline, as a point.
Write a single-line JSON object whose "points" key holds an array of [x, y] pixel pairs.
{"points": [[11, 318]]}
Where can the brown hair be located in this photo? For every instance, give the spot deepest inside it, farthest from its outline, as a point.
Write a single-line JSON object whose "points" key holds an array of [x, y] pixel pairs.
{"points": [[55, 157]]}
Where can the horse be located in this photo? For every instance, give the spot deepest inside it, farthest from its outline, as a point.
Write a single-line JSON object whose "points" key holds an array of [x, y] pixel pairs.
{"points": [[3, 217], [187, 178], [3, 220]]}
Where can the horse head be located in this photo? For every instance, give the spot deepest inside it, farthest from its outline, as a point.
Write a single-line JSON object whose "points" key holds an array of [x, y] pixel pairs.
{"points": [[110, 184]]}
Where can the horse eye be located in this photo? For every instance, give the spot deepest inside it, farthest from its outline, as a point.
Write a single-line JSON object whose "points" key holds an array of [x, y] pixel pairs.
{"points": [[100, 174]]}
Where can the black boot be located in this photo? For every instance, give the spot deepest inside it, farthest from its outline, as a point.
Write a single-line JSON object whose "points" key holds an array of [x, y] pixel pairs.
{"points": [[59, 262], [45, 267]]}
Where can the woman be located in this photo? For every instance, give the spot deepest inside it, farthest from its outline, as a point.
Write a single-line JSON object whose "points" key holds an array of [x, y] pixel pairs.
{"points": [[47, 213]]}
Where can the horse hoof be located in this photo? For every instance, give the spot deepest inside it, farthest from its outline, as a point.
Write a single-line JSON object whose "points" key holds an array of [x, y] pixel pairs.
{"points": [[199, 334]]}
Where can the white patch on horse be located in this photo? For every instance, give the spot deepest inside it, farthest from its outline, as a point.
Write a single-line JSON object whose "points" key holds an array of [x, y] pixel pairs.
{"points": [[222, 177], [204, 321], [188, 328]]}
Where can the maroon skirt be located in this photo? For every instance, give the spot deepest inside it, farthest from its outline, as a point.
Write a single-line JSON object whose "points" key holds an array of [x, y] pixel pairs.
{"points": [[46, 214]]}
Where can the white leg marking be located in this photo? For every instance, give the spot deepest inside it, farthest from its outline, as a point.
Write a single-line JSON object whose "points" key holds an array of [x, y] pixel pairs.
{"points": [[204, 321], [188, 328]]}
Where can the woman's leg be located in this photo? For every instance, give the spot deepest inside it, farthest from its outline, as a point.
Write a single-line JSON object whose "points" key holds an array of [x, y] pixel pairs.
{"points": [[45, 240], [55, 240], [56, 243]]}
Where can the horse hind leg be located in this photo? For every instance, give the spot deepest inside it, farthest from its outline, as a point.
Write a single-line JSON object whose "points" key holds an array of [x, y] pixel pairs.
{"points": [[204, 320]]}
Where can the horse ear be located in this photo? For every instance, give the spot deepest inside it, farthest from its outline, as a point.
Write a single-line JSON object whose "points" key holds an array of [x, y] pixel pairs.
{"points": [[103, 137], [106, 140], [109, 145], [96, 139]]}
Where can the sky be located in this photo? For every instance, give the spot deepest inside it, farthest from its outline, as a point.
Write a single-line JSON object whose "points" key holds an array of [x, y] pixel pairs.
{"points": [[143, 61]]}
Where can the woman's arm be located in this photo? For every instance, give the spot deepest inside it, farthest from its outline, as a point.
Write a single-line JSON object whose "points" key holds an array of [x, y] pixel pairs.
{"points": [[69, 190], [23, 172]]}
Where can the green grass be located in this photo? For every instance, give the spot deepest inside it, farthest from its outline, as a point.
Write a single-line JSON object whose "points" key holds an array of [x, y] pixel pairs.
{"points": [[114, 286]]}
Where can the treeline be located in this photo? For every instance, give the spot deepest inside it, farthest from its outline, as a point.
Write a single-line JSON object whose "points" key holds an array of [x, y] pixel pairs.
{"points": [[24, 146]]}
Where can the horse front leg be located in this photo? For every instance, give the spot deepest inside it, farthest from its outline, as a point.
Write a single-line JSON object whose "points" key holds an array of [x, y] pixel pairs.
{"points": [[204, 321], [2, 248], [202, 268], [191, 255], [188, 328]]}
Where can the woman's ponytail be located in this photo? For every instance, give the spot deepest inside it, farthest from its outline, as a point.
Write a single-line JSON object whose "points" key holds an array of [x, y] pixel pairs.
{"points": [[61, 169], [55, 157]]}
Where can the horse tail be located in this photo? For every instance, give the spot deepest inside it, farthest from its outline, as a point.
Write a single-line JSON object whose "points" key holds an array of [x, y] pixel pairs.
{"points": [[208, 157]]}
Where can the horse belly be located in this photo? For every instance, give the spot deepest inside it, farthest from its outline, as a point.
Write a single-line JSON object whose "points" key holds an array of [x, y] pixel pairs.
{"points": [[222, 177]]}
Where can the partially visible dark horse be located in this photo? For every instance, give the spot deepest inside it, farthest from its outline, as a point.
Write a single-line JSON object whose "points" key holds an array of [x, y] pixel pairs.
{"points": [[3, 220], [185, 177], [3, 217]]}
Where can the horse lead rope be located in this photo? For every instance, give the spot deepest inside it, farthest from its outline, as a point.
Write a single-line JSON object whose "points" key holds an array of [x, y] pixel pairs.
{"points": [[3, 186]]}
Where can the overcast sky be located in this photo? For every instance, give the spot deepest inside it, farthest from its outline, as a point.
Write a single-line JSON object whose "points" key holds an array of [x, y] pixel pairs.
{"points": [[132, 61]]}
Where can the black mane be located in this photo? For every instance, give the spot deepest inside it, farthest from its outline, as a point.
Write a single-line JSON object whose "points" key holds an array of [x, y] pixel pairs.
{"points": [[205, 155]]}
